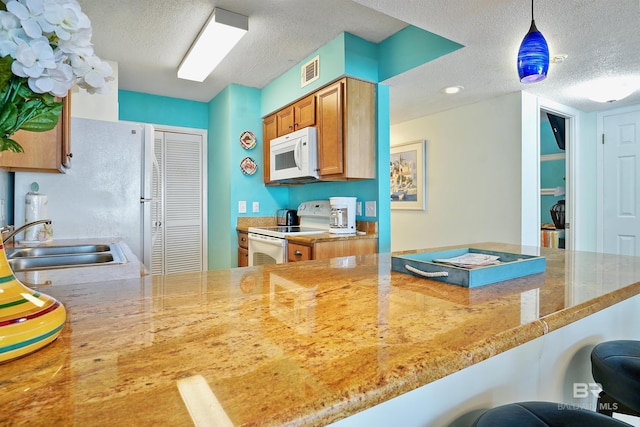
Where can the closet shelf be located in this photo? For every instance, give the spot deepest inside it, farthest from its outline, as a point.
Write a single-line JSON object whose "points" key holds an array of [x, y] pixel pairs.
{"points": [[551, 157], [557, 191]]}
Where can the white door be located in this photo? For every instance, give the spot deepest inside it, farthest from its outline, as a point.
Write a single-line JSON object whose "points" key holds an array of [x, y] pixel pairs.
{"points": [[621, 184], [180, 246], [157, 203]]}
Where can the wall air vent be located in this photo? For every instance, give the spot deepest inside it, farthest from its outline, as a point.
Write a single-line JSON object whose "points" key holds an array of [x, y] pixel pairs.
{"points": [[310, 72]]}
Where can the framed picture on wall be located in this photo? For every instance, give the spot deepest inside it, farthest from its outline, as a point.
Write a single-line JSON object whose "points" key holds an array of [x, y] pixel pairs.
{"points": [[408, 171]]}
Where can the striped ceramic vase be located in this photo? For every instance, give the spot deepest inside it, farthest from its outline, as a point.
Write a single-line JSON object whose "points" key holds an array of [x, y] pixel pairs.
{"points": [[29, 320]]}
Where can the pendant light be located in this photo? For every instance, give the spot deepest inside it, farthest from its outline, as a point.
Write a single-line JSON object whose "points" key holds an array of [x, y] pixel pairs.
{"points": [[533, 56]]}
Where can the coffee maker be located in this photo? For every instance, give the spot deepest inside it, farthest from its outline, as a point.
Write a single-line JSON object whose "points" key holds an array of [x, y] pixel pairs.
{"points": [[342, 219]]}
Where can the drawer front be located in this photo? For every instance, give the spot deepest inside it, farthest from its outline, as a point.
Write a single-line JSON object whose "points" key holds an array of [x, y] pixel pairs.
{"points": [[298, 252], [243, 239]]}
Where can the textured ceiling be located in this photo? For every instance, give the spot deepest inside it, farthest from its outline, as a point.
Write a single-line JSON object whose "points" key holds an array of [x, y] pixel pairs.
{"points": [[148, 39]]}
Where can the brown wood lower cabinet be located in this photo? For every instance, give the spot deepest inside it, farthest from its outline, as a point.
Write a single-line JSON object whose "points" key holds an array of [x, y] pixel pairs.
{"points": [[296, 252], [243, 249], [318, 250], [331, 249]]}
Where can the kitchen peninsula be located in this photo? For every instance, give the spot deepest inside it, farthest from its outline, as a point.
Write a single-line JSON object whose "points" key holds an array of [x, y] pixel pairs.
{"points": [[310, 343]]}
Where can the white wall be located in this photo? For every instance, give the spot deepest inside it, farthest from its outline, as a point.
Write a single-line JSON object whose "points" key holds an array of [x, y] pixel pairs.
{"points": [[97, 106], [473, 176], [483, 175]]}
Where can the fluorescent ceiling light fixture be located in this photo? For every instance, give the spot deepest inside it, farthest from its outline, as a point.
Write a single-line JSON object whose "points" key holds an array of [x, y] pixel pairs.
{"points": [[216, 39], [609, 89]]}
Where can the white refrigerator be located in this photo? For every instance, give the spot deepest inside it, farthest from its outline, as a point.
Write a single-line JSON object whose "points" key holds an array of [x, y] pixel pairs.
{"points": [[107, 191]]}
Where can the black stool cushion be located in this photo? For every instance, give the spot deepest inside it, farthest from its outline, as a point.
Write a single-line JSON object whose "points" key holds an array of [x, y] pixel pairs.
{"points": [[544, 414], [616, 366]]}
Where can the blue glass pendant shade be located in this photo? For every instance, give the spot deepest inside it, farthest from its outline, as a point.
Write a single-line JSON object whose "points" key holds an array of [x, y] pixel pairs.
{"points": [[533, 56]]}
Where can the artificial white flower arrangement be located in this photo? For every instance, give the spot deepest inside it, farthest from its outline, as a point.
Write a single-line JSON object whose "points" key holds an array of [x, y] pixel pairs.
{"points": [[45, 47]]}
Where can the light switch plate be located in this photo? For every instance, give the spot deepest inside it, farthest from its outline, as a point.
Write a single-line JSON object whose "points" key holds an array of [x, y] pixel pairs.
{"points": [[255, 207], [242, 206], [370, 208], [359, 208]]}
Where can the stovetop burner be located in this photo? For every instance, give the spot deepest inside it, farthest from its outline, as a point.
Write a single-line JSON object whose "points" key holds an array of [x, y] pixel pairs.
{"points": [[313, 216], [285, 230]]}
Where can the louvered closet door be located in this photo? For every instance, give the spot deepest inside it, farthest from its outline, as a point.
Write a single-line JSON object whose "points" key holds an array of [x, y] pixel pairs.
{"points": [[157, 194], [182, 225]]}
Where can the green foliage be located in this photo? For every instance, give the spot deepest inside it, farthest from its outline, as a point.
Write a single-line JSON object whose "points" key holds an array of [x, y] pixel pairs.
{"points": [[21, 108]]}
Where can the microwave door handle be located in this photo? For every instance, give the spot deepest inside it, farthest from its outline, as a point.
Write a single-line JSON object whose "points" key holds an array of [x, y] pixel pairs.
{"points": [[296, 154]]}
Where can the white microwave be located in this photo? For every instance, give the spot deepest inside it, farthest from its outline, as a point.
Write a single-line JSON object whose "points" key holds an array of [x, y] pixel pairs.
{"points": [[294, 156]]}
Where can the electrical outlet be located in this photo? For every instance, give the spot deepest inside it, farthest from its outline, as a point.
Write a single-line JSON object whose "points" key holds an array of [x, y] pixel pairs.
{"points": [[255, 207], [242, 206], [370, 208], [359, 208]]}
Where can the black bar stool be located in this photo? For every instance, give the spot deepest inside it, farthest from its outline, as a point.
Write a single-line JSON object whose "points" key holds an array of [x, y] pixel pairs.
{"points": [[544, 414], [615, 365]]}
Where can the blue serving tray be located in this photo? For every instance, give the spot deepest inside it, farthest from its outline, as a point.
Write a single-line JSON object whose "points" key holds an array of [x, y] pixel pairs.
{"points": [[511, 266]]}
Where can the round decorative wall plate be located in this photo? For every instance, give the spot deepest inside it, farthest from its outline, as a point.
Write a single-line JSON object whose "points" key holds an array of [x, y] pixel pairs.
{"points": [[247, 140], [248, 166]]}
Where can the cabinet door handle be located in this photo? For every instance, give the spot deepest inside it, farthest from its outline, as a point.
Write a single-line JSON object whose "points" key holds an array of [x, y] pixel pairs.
{"points": [[297, 253], [70, 155], [243, 239]]}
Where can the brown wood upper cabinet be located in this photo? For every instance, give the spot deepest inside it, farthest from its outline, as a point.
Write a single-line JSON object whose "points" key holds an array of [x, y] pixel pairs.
{"points": [[296, 116], [43, 151], [269, 132], [346, 130], [344, 114]]}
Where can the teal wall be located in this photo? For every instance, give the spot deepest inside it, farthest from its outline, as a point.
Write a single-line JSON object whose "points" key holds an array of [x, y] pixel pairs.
{"points": [[219, 185], [552, 173], [238, 108], [361, 58], [410, 48], [240, 112], [163, 110], [286, 88]]}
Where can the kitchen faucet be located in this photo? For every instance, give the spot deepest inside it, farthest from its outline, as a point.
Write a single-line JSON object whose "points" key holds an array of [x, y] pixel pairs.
{"points": [[10, 232]]}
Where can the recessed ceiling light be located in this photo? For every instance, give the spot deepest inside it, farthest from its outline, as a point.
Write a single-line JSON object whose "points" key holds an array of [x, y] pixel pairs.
{"points": [[452, 89]]}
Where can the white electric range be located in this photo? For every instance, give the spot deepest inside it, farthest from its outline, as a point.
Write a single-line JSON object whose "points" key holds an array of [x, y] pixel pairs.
{"points": [[268, 245]]}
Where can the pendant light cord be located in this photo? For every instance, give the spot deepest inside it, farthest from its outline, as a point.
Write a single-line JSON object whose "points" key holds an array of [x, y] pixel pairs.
{"points": [[532, 10]]}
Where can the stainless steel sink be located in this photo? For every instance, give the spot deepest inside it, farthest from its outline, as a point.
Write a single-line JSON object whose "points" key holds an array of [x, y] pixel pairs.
{"points": [[54, 257], [56, 250]]}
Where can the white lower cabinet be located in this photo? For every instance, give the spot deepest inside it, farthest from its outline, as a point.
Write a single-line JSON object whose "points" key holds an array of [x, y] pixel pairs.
{"points": [[179, 209]]}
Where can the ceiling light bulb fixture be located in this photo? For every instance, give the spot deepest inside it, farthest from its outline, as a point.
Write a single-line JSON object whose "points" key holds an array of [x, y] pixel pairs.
{"points": [[610, 89], [216, 39], [450, 90], [533, 56]]}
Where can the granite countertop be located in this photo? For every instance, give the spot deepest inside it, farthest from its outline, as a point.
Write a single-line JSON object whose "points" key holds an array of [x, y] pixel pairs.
{"points": [[297, 344]]}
